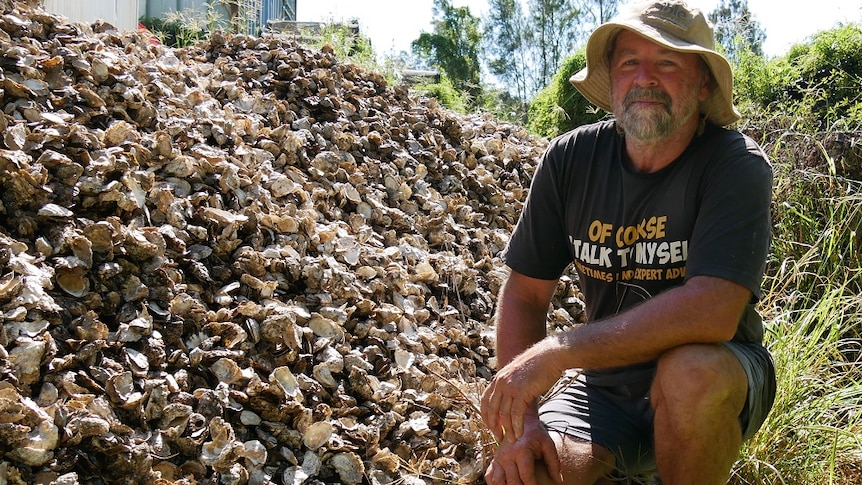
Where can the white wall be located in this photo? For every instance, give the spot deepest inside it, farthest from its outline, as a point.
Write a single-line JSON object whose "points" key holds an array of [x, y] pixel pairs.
{"points": [[122, 14]]}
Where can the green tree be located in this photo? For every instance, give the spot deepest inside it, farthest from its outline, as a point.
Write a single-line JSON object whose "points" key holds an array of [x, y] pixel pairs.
{"points": [[453, 47], [736, 29], [525, 49], [554, 24], [505, 45], [600, 12]]}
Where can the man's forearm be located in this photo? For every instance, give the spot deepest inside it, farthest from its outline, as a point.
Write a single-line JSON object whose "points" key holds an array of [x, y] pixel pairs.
{"points": [[705, 310], [521, 317], [517, 330]]}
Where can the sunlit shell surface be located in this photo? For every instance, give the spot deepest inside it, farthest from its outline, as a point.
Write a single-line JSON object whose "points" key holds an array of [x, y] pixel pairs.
{"points": [[242, 262]]}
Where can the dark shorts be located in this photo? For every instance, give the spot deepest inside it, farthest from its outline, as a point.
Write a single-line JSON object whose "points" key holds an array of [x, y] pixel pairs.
{"points": [[613, 410]]}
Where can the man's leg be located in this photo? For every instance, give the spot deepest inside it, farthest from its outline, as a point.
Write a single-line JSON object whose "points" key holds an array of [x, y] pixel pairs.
{"points": [[601, 424], [583, 463], [698, 394]]}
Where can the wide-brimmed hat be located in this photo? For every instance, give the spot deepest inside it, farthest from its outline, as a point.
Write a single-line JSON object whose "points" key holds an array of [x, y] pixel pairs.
{"points": [[674, 25]]}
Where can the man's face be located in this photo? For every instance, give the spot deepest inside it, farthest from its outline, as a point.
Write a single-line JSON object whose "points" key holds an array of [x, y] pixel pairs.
{"points": [[655, 91]]}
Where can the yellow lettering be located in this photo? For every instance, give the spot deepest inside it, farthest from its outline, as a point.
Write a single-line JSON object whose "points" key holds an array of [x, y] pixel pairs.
{"points": [[674, 273], [661, 222], [652, 228], [599, 232], [626, 236], [645, 274]]}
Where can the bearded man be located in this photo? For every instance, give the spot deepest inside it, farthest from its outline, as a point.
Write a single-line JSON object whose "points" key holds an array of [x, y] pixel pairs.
{"points": [[665, 214]]}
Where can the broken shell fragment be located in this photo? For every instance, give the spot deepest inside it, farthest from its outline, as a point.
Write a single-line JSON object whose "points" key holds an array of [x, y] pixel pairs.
{"points": [[349, 467], [286, 382], [317, 434]]}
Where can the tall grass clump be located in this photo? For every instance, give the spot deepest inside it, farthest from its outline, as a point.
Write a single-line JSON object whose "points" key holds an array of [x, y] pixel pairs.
{"points": [[345, 42], [812, 308], [187, 27], [814, 432]]}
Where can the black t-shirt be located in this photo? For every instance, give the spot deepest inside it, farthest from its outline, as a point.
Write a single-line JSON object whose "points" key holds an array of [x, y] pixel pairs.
{"points": [[633, 235]]}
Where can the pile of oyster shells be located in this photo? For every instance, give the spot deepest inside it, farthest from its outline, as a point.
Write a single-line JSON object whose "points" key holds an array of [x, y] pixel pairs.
{"points": [[241, 262]]}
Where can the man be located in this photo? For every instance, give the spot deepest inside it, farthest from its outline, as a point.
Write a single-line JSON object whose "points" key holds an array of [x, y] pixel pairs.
{"points": [[665, 215]]}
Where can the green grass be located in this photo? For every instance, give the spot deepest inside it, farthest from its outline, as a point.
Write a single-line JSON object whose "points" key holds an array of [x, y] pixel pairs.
{"points": [[813, 313], [813, 432]]}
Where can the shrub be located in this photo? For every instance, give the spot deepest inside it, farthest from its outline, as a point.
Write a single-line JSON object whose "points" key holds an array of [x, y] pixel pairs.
{"points": [[811, 95], [560, 107], [346, 42], [754, 79], [822, 78], [445, 92], [502, 105]]}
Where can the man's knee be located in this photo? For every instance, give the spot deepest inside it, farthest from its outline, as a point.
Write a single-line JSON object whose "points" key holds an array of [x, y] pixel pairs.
{"points": [[583, 462], [699, 373]]}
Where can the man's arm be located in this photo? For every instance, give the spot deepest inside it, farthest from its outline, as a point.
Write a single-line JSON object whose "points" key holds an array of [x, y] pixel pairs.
{"points": [[522, 313], [703, 310], [521, 319]]}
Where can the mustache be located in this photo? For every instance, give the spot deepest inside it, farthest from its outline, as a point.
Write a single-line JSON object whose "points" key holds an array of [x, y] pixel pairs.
{"points": [[646, 94]]}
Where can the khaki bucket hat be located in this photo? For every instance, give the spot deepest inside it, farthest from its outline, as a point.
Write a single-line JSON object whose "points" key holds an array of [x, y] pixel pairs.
{"points": [[674, 25]]}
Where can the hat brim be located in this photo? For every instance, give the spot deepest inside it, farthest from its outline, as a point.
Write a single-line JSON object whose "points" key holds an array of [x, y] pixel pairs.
{"points": [[595, 84]]}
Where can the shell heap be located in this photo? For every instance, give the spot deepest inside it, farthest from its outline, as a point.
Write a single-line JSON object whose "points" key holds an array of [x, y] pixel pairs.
{"points": [[241, 262]]}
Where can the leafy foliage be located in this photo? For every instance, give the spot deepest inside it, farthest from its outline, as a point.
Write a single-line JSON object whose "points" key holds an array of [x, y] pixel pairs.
{"points": [[446, 92], [823, 78], [753, 79], [736, 29], [560, 107], [453, 47], [346, 42], [502, 104]]}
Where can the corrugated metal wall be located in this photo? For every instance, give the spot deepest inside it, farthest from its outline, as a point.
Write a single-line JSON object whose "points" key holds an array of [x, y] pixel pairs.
{"points": [[158, 8], [282, 9], [122, 14]]}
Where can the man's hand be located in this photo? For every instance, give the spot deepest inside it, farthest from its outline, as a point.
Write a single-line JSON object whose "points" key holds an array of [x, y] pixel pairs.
{"points": [[515, 390], [515, 463]]}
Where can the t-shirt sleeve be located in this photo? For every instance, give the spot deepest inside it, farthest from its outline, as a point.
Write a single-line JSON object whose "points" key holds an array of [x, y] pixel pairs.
{"points": [[538, 246], [732, 234]]}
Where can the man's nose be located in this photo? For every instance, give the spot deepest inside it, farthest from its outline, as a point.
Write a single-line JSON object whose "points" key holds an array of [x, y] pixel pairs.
{"points": [[645, 75]]}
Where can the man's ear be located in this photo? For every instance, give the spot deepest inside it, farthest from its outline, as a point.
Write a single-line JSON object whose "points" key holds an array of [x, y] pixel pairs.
{"points": [[707, 83]]}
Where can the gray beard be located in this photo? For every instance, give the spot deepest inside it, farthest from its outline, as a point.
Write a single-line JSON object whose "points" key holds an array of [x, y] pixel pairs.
{"points": [[650, 123]]}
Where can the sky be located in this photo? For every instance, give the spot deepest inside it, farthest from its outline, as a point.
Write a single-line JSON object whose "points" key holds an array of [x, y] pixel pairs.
{"points": [[393, 24]]}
